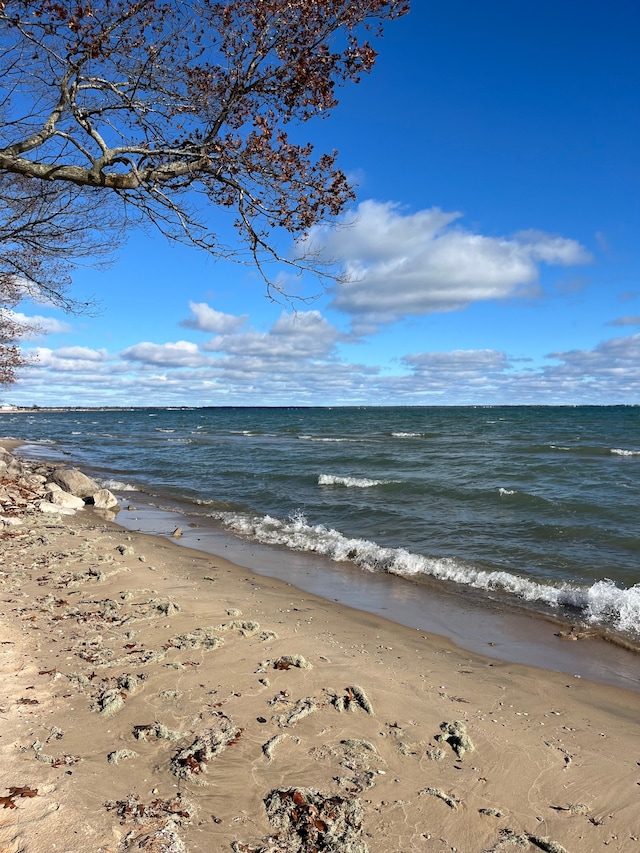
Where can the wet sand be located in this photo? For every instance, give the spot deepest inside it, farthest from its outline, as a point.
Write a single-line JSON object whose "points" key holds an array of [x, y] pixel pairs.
{"points": [[158, 698]]}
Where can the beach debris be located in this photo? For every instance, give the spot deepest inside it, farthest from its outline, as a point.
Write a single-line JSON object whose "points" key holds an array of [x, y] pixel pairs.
{"points": [[158, 821], [576, 633], [434, 753], [490, 812], [16, 792], [168, 608], [170, 695], [358, 743], [546, 844], [455, 734], [286, 662], [157, 730], [121, 755], [111, 700], [245, 627], [573, 808], [359, 757], [191, 761], [265, 636], [449, 799], [165, 839], [64, 761], [310, 822], [270, 745], [353, 697], [133, 809], [234, 612], [199, 637], [301, 709], [508, 839], [125, 550]]}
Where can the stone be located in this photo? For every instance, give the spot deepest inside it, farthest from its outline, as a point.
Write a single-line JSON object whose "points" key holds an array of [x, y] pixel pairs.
{"points": [[15, 469], [74, 481], [65, 499], [47, 506], [104, 499]]}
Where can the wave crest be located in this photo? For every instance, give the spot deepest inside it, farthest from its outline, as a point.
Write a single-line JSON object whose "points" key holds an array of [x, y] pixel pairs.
{"points": [[601, 603], [350, 482]]}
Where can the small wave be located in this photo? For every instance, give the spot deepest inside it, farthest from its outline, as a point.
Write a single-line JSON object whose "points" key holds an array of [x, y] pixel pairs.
{"points": [[117, 486], [618, 452], [502, 491], [160, 429], [406, 434], [332, 440], [350, 482], [603, 602]]}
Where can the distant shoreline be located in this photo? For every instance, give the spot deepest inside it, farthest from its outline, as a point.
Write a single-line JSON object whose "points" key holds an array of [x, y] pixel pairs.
{"points": [[124, 408]]}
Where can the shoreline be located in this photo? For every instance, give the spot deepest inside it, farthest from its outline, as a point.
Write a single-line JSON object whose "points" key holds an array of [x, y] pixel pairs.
{"points": [[528, 637], [163, 699]]}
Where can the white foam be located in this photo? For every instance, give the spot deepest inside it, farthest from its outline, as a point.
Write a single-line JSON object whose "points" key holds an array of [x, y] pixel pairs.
{"points": [[502, 491], [350, 482], [332, 440], [117, 486], [619, 452], [406, 434], [603, 602]]}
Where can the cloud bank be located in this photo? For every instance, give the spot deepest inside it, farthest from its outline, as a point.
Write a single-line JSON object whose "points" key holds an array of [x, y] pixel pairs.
{"points": [[397, 264]]}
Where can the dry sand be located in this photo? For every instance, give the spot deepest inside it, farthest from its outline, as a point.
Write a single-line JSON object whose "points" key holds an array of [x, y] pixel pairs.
{"points": [[159, 699]]}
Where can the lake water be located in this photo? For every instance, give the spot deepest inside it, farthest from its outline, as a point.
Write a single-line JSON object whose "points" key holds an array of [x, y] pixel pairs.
{"points": [[529, 508]]}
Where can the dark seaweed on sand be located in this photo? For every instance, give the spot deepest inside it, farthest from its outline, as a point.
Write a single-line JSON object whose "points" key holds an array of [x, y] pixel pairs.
{"points": [[310, 822]]}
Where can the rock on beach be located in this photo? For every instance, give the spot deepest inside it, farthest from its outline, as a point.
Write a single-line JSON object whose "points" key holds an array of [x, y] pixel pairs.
{"points": [[35, 486]]}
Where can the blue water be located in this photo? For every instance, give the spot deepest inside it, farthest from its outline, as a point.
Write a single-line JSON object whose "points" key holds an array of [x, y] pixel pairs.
{"points": [[537, 506]]}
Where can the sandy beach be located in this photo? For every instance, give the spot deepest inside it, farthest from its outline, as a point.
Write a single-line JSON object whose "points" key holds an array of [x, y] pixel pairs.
{"points": [[157, 698]]}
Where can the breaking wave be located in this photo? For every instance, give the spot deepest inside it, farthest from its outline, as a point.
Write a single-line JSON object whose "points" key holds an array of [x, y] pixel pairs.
{"points": [[332, 440], [602, 603], [351, 482], [619, 452], [117, 486]]}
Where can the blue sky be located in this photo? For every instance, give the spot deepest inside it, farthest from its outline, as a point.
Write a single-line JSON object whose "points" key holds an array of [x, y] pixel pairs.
{"points": [[492, 249]]}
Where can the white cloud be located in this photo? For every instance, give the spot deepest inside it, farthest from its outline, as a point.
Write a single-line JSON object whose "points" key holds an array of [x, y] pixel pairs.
{"points": [[398, 264], [178, 354], [617, 358], [38, 326], [302, 335], [207, 319], [68, 359], [458, 362], [625, 321]]}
